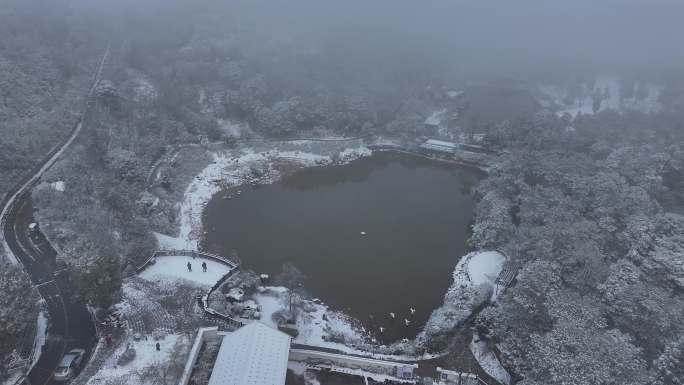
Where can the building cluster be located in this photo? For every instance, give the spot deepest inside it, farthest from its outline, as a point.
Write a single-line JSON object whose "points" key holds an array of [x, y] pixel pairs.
{"points": [[257, 354]]}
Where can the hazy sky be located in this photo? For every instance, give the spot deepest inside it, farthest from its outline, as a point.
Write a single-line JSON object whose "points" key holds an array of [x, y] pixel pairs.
{"points": [[504, 36], [600, 33]]}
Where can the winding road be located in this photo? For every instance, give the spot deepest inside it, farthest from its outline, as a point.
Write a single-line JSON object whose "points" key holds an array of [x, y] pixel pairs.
{"points": [[71, 325]]}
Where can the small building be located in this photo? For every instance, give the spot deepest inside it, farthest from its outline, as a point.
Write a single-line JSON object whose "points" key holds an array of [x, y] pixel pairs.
{"points": [[439, 147], [445, 376], [405, 372], [235, 295], [251, 310], [255, 354]]}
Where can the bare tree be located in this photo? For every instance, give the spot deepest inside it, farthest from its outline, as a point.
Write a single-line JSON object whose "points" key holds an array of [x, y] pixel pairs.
{"points": [[293, 279]]}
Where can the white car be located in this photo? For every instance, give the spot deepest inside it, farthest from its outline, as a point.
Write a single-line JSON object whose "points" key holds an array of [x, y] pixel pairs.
{"points": [[67, 367]]}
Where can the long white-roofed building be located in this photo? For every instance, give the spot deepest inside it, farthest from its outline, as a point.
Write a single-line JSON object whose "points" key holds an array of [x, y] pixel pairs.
{"points": [[255, 354], [439, 146]]}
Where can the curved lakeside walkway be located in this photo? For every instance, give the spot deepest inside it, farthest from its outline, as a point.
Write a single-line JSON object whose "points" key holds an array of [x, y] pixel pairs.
{"points": [[484, 167]]}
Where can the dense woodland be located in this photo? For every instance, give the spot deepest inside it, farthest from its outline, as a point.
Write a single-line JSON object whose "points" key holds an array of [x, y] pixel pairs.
{"points": [[44, 75], [592, 213], [590, 208]]}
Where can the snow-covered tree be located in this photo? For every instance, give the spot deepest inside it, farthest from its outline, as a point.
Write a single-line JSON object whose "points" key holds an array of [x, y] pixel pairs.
{"points": [[669, 367], [18, 306]]}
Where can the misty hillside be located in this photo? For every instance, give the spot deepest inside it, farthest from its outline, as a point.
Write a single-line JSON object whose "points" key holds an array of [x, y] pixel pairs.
{"points": [[572, 112]]}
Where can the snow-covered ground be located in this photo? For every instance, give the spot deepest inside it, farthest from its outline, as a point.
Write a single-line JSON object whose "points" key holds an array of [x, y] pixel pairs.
{"points": [[173, 243], [488, 361], [41, 335], [473, 284], [271, 301], [157, 306], [320, 326], [172, 350], [175, 267], [232, 128], [316, 323], [485, 266]]}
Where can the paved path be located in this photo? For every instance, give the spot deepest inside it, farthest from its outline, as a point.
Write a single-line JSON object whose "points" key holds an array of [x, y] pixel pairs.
{"points": [[70, 324]]}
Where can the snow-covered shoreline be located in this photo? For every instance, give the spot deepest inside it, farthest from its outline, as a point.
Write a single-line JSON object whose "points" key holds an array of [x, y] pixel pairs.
{"points": [[233, 170], [473, 284], [474, 277], [488, 361]]}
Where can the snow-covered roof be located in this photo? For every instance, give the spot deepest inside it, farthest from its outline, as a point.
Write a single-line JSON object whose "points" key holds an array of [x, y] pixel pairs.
{"points": [[439, 145], [436, 142], [255, 354]]}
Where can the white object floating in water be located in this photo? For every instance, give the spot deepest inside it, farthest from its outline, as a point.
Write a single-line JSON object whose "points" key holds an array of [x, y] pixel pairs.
{"points": [[413, 311], [382, 329], [363, 233], [391, 315], [407, 322]]}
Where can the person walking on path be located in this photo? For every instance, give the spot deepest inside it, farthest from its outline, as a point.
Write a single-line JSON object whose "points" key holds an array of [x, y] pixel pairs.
{"points": [[158, 346], [189, 267], [204, 267]]}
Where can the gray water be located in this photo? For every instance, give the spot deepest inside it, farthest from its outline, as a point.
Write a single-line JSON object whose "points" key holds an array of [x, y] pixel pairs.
{"points": [[415, 213]]}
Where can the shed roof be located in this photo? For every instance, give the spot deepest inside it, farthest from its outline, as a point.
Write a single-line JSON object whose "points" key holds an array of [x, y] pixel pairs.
{"points": [[255, 354]]}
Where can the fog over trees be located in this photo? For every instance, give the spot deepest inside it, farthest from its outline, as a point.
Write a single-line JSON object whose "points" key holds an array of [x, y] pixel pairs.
{"points": [[586, 196]]}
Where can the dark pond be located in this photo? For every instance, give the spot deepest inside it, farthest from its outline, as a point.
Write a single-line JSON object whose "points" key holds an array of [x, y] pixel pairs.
{"points": [[415, 214]]}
